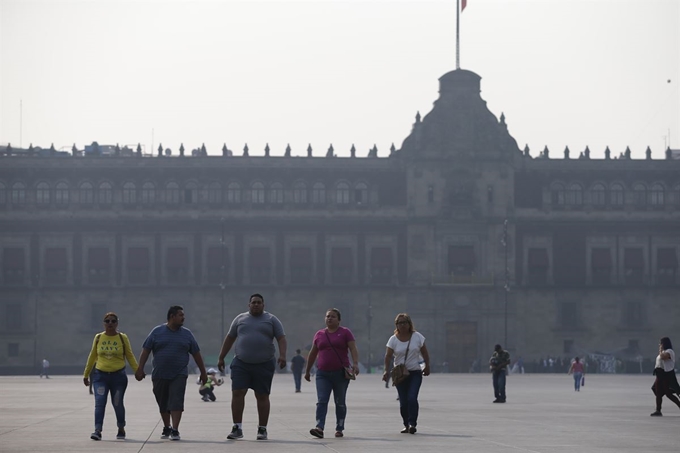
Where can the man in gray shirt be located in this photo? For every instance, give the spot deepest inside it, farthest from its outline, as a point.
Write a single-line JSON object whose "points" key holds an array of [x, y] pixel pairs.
{"points": [[254, 364]]}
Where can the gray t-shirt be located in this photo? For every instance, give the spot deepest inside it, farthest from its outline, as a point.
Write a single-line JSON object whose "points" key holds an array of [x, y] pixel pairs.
{"points": [[255, 336]]}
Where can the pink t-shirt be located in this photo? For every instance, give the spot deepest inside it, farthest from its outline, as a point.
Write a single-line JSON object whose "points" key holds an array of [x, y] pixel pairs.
{"points": [[577, 367], [327, 360]]}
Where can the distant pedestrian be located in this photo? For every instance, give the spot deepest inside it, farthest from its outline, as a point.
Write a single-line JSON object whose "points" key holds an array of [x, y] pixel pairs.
{"points": [[171, 344], [498, 365], [105, 372], [297, 366], [45, 368], [254, 364], [666, 383], [579, 372], [207, 390]]}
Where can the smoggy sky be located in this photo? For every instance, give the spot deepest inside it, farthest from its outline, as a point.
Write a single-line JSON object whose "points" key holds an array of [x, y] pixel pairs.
{"points": [[564, 72]]}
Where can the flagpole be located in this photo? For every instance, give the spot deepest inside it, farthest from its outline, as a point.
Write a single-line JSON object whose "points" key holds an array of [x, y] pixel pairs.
{"points": [[457, 34]]}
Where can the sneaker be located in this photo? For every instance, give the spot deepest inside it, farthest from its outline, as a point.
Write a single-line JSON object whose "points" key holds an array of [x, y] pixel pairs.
{"points": [[96, 435], [316, 432], [261, 433], [121, 434], [656, 414], [412, 429], [236, 433], [166, 432], [174, 435]]}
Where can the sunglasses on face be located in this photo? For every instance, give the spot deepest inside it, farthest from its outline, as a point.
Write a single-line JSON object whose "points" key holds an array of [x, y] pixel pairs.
{"points": [[110, 321], [401, 322]]}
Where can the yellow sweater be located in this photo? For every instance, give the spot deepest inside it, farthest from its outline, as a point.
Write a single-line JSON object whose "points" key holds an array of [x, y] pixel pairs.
{"points": [[107, 353]]}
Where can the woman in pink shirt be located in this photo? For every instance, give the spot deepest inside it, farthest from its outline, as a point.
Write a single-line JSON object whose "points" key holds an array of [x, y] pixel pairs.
{"points": [[331, 346], [579, 372]]}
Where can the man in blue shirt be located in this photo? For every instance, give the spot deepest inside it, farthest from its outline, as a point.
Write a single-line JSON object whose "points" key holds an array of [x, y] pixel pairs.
{"points": [[171, 344]]}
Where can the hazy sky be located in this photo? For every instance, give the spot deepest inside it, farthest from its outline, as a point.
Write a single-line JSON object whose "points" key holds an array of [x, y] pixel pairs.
{"points": [[564, 72]]}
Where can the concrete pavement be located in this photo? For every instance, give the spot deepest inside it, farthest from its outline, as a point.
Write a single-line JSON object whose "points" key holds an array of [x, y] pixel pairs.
{"points": [[543, 415]]}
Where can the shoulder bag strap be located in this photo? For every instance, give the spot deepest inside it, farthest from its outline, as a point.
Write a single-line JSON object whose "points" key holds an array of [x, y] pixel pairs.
{"points": [[331, 344], [407, 346]]}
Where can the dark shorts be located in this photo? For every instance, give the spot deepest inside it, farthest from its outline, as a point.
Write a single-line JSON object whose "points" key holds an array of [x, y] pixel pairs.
{"points": [[169, 393], [256, 376]]}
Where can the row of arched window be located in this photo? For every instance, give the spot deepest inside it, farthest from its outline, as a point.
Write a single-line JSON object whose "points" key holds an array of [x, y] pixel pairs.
{"points": [[172, 192], [614, 194]]}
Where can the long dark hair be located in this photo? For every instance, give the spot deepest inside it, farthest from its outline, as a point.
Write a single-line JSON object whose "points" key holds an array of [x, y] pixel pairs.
{"points": [[666, 343]]}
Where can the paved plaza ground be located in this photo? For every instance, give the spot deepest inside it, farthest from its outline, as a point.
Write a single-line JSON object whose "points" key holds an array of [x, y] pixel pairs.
{"points": [[543, 414]]}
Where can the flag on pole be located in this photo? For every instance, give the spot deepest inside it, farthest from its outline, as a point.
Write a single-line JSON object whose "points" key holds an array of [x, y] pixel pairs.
{"points": [[463, 4]]}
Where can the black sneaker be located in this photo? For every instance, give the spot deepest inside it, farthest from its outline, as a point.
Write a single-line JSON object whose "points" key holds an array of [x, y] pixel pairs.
{"points": [[174, 435], [121, 434], [261, 433], [656, 414], [166, 432], [236, 433], [96, 435]]}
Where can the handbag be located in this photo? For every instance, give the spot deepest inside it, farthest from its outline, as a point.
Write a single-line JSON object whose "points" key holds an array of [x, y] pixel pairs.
{"points": [[399, 372], [583, 380], [349, 371]]}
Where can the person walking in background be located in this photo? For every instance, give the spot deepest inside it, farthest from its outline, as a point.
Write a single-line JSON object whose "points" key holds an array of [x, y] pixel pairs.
{"points": [[407, 347], [106, 368], [579, 373], [45, 368], [297, 366], [498, 365], [666, 383], [331, 345], [171, 344], [253, 365]]}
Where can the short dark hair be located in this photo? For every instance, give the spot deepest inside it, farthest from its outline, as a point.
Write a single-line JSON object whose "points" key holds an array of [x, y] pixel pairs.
{"points": [[172, 311], [497, 347], [256, 295], [666, 343]]}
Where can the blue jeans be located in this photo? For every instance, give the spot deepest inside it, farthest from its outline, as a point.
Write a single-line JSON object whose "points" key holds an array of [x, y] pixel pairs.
{"points": [[408, 391], [327, 382], [103, 383], [499, 384], [297, 377], [577, 381]]}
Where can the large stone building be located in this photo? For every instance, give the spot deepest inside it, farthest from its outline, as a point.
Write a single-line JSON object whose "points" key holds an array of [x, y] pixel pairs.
{"points": [[590, 245]]}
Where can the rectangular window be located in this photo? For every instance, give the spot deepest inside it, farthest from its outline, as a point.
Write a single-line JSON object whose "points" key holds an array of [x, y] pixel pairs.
{"points": [[538, 265], [634, 315], [666, 266], [13, 349], [301, 265], [177, 265], [568, 315], [382, 265], [13, 265], [633, 266], [601, 265], [461, 260], [215, 259], [98, 265], [56, 266], [260, 265], [342, 265], [138, 265], [13, 317]]}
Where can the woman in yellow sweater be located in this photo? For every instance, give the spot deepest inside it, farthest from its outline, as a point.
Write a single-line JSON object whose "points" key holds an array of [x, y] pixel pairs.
{"points": [[109, 351]]}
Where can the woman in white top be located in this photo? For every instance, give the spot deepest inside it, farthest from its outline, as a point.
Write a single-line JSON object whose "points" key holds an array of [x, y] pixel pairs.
{"points": [[407, 340], [666, 382]]}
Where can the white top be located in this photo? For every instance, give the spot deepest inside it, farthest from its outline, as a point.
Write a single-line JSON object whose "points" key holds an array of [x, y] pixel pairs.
{"points": [[668, 364], [399, 347]]}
